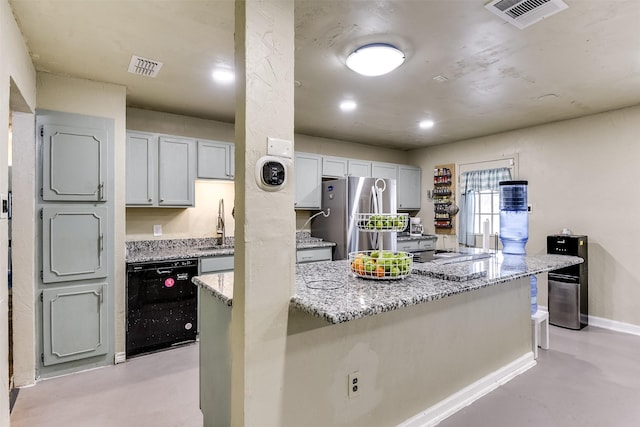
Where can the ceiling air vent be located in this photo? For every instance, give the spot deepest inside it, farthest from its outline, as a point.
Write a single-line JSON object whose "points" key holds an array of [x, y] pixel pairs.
{"points": [[523, 13], [144, 66]]}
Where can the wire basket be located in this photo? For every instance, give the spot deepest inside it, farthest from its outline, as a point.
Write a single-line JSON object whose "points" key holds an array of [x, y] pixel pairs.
{"points": [[373, 222], [381, 265]]}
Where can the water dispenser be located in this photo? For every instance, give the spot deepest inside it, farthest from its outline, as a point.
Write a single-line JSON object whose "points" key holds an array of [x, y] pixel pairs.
{"points": [[514, 219]]}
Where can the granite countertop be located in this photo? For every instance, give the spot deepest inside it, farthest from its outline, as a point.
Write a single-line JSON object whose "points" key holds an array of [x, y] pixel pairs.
{"points": [[328, 289], [168, 249]]}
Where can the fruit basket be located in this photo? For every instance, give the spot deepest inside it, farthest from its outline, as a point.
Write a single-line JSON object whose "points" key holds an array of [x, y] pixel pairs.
{"points": [[381, 265], [373, 222]]}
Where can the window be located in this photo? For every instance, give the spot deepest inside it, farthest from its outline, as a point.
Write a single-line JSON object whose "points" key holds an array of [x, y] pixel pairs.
{"points": [[479, 202], [487, 207]]}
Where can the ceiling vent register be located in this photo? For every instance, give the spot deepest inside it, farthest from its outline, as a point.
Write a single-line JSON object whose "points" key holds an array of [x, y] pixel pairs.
{"points": [[144, 66], [523, 13]]}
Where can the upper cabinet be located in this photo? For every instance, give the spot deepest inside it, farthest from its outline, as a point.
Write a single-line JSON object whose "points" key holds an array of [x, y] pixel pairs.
{"points": [[176, 171], [334, 167], [359, 168], [142, 162], [308, 177], [74, 163], [161, 170], [384, 170], [216, 160], [408, 187]]}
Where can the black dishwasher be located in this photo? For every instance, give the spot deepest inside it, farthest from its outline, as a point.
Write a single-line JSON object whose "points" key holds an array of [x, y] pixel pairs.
{"points": [[161, 305]]}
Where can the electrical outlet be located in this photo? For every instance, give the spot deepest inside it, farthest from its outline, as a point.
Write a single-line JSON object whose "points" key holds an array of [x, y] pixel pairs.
{"points": [[157, 230], [354, 384]]}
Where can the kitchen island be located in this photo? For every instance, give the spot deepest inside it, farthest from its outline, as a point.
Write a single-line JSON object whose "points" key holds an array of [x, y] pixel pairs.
{"points": [[423, 346]]}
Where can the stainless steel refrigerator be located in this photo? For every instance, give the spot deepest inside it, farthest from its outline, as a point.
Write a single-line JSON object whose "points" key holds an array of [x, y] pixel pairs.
{"points": [[346, 197]]}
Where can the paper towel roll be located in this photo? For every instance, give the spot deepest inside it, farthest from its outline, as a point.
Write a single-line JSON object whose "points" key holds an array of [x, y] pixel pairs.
{"points": [[485, 236]]}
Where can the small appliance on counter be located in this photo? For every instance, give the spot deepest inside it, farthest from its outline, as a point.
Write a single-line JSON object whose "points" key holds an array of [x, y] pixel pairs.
{"points": [[568, 287], [415, 227]]}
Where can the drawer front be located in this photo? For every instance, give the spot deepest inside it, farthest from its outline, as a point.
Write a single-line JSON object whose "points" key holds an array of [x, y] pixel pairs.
{"points": [[409, 246], [216, 264], [313, 255], [427, 244]]}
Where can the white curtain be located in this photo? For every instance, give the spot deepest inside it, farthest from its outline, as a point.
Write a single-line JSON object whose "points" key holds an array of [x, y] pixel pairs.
{"points": [[470, 183]]}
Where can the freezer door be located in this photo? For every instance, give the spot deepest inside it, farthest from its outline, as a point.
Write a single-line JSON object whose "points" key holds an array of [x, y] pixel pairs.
{"points": [[564, 303]]}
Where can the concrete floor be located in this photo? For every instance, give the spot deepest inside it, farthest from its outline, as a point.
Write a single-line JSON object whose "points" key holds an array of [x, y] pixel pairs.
{"points": [[587, 378]]}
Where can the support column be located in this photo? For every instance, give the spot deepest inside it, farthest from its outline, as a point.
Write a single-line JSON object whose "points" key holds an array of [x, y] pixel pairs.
{"points": [[265, 221]]}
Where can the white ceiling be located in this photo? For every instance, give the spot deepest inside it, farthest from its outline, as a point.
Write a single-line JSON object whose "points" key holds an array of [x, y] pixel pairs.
{"points": [[583, 60]]}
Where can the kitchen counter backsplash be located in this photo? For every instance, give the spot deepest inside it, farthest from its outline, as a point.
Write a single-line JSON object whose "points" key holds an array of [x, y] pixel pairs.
{"points": [[165, 249]]}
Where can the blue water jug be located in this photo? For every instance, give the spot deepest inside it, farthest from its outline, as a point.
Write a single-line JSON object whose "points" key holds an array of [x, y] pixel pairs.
{"points": [[514, 220], [534, 295]]}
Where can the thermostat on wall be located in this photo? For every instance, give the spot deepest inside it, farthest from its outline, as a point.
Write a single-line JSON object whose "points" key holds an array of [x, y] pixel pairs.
{"points": [[271, 173]]}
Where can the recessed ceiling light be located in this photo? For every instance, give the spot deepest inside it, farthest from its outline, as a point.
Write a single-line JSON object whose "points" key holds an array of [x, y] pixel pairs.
{"points": [[223, 75], [375, 59], [426, 124], [348, 105]]}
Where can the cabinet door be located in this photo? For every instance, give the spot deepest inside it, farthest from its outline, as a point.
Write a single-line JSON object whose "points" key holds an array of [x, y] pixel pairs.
{"points": [[384, 170], [334, 167], [359, 168], [73, 243], [74, 323], [409, 187], [73, 163], [214, 160], [176, 171], [140, 159], [308, 178]]}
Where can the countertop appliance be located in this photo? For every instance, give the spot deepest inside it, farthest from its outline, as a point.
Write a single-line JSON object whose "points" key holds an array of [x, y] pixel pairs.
{"points": [[345, 197], [415, 227], [569, 286], [161, 305]]}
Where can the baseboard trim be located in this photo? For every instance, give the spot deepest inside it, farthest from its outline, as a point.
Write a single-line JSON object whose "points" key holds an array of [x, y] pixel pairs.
{"points": [[612, 325], [119, 357], [452, 404]]}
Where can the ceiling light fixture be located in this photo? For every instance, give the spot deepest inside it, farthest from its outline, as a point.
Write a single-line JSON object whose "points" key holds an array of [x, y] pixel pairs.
{"points": [[348, 105], [375, 59], [426, 124], [223, 76]]}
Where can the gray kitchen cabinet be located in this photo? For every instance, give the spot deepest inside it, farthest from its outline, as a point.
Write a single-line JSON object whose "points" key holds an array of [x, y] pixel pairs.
{"points": [[161, 170], [216, 264], [409, 187], [334, 167], [384, 170], [308, 177], [75, 205], [359, 168], [74, 163], [416, 245], [176, 171], [216, 160], [314, 254], [141, 155], [77, 323], [73, 243]]}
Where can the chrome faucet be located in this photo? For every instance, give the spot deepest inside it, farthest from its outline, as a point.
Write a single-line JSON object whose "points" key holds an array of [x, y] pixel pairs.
{"points": [[220, 227]]}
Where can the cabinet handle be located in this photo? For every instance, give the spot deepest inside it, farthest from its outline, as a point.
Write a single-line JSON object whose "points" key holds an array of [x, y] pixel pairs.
{"points": [[101, 243], [149, 200], [161, 200]]}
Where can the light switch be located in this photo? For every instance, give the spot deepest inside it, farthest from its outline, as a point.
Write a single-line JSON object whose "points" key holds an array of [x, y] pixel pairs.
{"points": [[157, 230]]}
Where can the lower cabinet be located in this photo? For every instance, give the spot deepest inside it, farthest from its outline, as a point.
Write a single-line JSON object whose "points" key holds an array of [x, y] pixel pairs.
{"points": [[75, 324], [216, 264], [314, 254]]}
